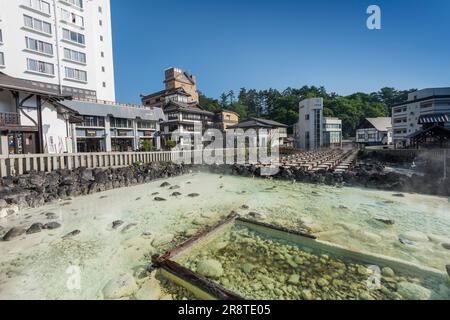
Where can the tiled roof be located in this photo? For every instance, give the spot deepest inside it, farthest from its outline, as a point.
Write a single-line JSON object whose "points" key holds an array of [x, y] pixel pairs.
{"points": [[381, 123], [117, 111], [11, 83], [258, 123]]}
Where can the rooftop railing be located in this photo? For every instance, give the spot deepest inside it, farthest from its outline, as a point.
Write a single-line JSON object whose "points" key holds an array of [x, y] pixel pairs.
{"points": [[111, 103]]}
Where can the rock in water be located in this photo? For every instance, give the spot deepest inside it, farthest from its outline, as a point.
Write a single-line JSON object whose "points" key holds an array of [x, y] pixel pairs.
{"points": [[162, 239], [51, 216], [13, 233], [193, 195], [72, 234], [174, 188], [294, 279], [128, 227], [122, 286], [387, 272], [447, 267], [159, 199], [210, 268], [407, 242], [165, 184], [386, 221], [117, 224], [35, 228], [307, 295], [150, 290], [398, 195], [248, 268], [52, 226], [175, 194], [416, 236], [411, 291], [446, 246]]}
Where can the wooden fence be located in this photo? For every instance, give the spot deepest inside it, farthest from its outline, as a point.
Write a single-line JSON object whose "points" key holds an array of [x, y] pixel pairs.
{"points": [[18, 164], [14, 165]]}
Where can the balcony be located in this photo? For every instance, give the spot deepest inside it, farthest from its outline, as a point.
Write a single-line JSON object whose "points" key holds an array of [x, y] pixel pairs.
{"points": [[9, 119]]}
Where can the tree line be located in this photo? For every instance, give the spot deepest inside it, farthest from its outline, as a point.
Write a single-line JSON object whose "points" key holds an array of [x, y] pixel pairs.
{"points": [[282, 106]]}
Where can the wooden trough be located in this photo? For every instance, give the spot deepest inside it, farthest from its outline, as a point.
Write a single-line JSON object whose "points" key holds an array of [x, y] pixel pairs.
{"points": [[205, 289]]}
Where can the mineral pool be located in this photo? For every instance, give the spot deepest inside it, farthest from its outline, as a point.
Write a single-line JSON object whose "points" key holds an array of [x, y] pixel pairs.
{"points": [[112, 235]]}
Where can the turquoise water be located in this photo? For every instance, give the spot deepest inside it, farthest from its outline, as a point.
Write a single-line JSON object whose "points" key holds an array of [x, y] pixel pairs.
{"points": [[39, 266]]}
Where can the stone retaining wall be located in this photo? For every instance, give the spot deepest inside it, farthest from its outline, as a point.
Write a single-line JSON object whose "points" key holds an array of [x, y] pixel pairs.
{"points": [[37, 189], [364, 175]]}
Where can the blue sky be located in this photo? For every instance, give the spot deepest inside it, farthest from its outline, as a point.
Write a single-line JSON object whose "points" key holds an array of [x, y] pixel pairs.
{"points": [[260, 44]]}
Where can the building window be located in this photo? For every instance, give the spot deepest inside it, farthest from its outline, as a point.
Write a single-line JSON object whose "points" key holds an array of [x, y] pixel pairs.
{"points": [[402, 109], [73, 55], [103, 69], [73, 18], [39, 46], [101, 38], [100, 22], [37, 24], [40, 67], [76, 74], [104, 84], [100, 9], [38, 5], [172, 116], [2, 59], [92, 121], [192, 117], [307, 117], [121, 123], [73, 36], [188, 127], [76, 3], [143, 124], [404, 120], [102, 54], [1, 36], [426, 105]]}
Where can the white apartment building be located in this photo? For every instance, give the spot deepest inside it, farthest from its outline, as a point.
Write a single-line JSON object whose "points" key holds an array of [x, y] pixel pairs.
{"points": [[314, 131], [62, 45], [408, 116]]}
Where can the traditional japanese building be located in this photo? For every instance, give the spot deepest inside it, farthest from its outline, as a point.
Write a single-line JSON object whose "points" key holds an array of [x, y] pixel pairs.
{"points": [[32, 120]]}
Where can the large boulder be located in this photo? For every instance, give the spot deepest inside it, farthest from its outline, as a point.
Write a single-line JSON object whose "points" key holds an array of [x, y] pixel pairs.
{"points": [[210, 268], [35, 228], [13, 233], [150, 290], [120, 287]]}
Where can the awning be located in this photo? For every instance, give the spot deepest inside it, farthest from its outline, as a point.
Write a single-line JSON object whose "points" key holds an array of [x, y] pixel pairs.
{"points": [[437, 130], [434, 118]]}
